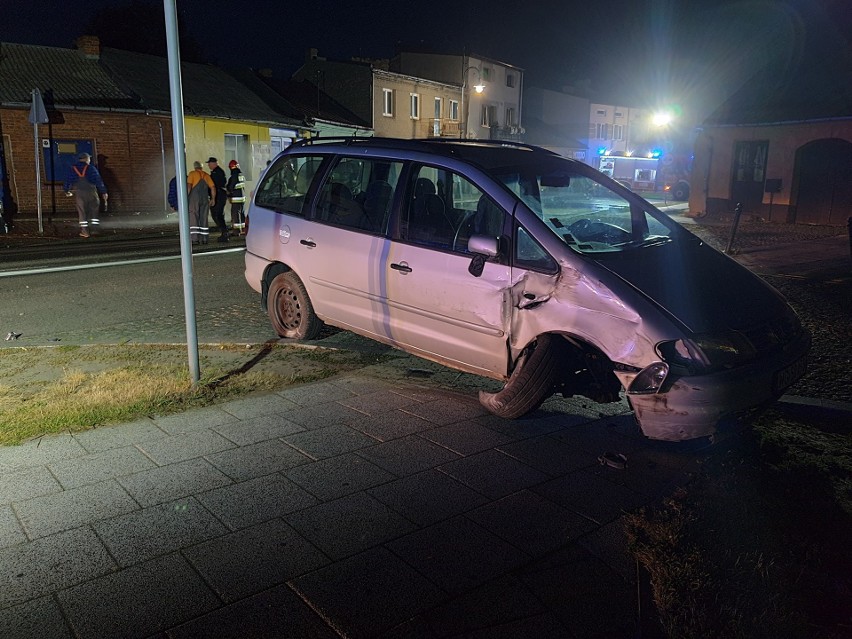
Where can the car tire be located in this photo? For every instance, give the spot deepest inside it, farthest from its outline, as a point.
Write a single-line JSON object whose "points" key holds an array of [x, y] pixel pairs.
{"points": [[290, 309], [530, 383], [680, 192]]}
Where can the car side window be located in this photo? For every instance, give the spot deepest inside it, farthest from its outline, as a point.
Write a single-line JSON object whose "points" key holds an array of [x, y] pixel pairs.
{"points": [[358, 193], [285, 186], [530, 254], [443, 209]]}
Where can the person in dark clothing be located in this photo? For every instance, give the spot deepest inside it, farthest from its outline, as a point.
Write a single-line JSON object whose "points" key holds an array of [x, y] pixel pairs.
{"points": [[172, 196], [237, 194], [84, 182], [217, 209]]}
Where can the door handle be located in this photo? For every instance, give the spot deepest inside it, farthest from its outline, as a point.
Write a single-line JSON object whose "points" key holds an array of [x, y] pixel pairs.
{"points": [[308, 242], [402, 267]]}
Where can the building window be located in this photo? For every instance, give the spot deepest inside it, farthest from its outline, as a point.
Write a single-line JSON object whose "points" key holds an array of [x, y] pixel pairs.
{"points": [[437, 108], [454, 110], [387, 102], [237, 148], [510, 80], [489, 115], [486, 73], [750, 161], [619, 114], [617, 131], [510, 116], [415, 106], [600, 131], [601, 112]]}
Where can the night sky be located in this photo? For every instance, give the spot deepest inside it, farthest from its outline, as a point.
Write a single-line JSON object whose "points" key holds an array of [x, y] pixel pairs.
{"points": [[691, 53]]}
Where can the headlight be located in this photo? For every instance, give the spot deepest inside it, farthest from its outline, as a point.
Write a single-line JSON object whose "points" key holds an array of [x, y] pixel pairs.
{"points": [[707, 353], [649, 380]]}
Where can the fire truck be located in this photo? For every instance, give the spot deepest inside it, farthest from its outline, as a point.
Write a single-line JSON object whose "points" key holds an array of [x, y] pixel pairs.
{"points": [[660, 172]]}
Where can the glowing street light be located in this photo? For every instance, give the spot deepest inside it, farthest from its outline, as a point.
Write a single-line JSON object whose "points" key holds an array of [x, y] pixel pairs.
{"points": [[662, 118]]}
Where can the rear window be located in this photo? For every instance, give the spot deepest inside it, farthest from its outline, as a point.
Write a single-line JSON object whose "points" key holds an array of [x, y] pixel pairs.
{"points": [[358, 193], [285, 186]]}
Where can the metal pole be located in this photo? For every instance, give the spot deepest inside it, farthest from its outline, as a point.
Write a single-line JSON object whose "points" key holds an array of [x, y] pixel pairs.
{"points": [[165, 178], [738, 210], [38, 172], [462, 123], [178, 138]]}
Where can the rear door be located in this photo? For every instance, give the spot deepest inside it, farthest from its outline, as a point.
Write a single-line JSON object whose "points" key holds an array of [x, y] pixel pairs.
{"points": [[344, 246]]}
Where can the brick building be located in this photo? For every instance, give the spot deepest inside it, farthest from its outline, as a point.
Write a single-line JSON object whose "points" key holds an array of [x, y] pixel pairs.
{"points": [[89, 112]]}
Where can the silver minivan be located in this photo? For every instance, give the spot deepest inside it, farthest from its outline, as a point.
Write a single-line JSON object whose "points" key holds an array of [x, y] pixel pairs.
{"points": [[514, 263]]}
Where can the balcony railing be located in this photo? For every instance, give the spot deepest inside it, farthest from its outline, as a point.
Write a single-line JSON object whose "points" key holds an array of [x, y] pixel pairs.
{"points": [[439, 128]]}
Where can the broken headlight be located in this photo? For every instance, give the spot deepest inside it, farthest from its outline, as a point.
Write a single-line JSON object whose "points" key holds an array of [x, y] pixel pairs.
{"points": [[649, 380], [707, 353]]}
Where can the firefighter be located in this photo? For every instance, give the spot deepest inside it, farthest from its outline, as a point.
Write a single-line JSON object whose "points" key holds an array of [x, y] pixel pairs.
{"points": [[217, 207], [202, 194], [84, 182], [237, 194]]}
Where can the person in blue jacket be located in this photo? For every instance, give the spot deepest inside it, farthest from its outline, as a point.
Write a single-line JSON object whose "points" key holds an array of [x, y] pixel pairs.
{"points": [[84, 182]]}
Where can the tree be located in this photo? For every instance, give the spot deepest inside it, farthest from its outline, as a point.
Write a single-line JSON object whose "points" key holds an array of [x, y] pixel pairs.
{"points": [[140, 26]]}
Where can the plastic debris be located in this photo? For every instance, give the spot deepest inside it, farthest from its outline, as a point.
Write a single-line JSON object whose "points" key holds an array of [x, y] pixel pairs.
{"points": [[12, 335], [613, 460]]}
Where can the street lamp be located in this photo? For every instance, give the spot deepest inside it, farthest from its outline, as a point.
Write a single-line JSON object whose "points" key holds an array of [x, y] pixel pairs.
{"points": [[479, 88], [662, 118]]}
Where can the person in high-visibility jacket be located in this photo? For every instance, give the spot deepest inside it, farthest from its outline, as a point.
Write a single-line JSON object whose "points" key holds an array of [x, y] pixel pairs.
{"points": [[236, 193], [85, 183], [202, 193]]}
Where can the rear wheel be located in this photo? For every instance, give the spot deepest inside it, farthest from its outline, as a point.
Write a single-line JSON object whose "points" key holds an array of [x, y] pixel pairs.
{"points": [[290, 309], [530, 383]]}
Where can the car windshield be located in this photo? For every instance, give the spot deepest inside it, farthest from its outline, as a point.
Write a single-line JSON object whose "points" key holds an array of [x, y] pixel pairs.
{"points": [[589, 216]]}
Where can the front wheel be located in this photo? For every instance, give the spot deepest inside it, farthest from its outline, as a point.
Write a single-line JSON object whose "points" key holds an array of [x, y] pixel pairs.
{"points": [[530, 383], [290, 309]]}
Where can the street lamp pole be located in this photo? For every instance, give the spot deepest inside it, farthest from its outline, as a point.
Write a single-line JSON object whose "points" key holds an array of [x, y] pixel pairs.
{"points": [[479, 88]]}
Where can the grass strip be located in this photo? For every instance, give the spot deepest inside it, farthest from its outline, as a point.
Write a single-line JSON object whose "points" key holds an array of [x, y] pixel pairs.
{"points": [[71, 389]]}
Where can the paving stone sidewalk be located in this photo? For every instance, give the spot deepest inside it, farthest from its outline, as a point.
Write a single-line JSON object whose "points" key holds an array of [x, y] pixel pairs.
{"points": [[357, 507]]}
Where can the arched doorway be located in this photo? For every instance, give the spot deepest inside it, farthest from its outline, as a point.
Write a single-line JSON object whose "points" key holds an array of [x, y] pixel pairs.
{"points": [[822, 182]]}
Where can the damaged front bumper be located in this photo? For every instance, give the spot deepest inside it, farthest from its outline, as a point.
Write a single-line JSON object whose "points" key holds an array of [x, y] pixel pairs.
{"points": [[692, 406]]}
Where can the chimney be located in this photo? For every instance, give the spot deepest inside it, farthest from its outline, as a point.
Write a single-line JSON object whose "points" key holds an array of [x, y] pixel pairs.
{"points": [[89, 46]]}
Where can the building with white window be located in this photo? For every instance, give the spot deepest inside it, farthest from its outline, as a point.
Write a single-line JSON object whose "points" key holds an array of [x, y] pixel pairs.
{"points": [[490, 91], [410, 107], [394, 104]]}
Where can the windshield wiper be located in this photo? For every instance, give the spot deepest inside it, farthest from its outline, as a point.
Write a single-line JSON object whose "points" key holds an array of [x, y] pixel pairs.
{"points": [[655, 240]]}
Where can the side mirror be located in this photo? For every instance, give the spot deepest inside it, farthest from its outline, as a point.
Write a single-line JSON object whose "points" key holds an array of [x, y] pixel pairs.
{"points": [[482, 247]]}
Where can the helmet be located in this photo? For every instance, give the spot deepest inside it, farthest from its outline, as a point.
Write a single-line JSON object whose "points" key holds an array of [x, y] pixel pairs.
{"points": [[233, 164]]}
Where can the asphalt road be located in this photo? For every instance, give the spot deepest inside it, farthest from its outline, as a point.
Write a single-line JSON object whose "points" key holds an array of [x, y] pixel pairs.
{"points": [[128, 299]]}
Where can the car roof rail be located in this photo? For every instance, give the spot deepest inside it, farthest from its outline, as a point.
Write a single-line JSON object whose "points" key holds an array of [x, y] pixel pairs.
{"points": [[422, 144], [500, 143]]}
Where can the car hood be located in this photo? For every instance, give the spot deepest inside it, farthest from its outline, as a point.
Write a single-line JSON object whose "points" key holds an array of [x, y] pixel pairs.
{"points": [[698, 286]]}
